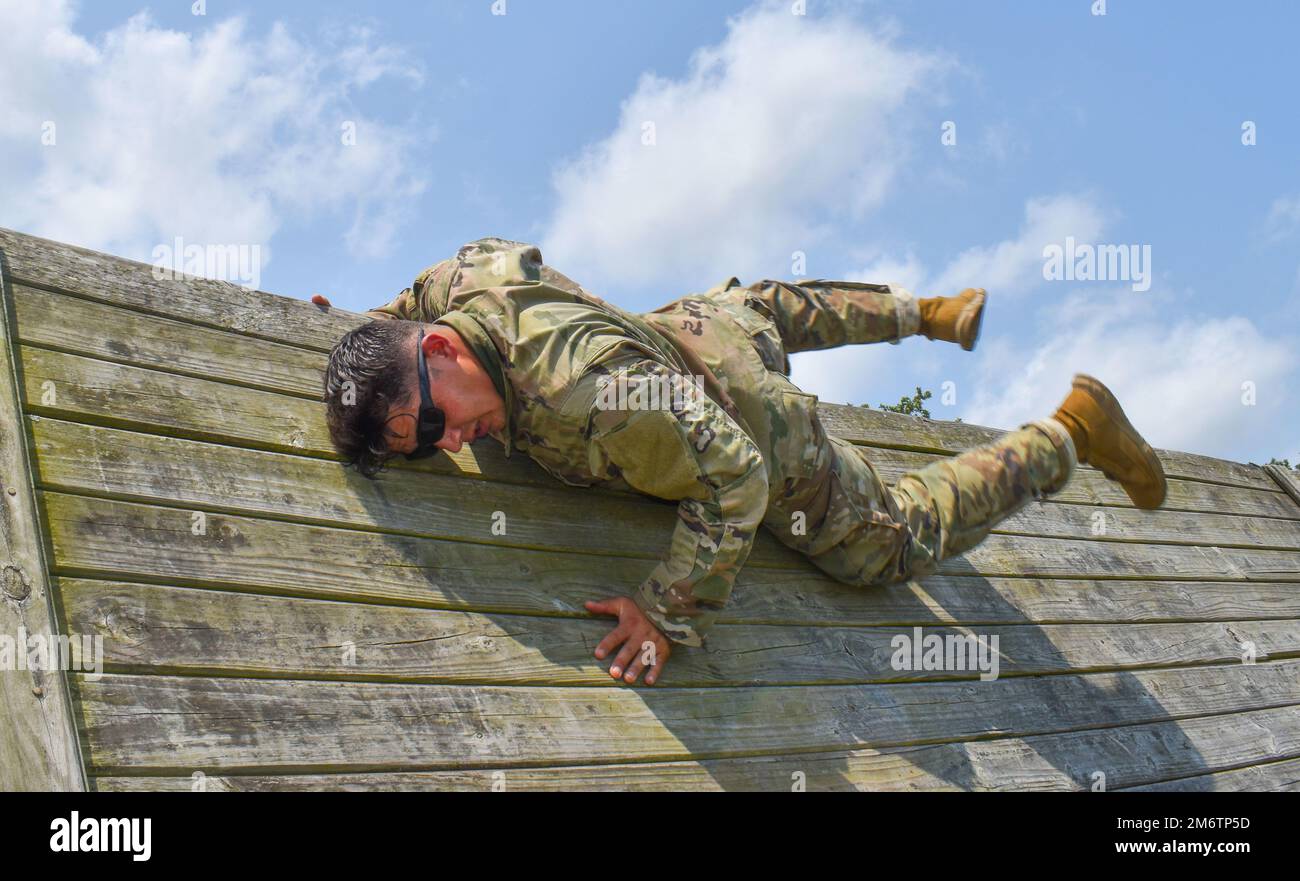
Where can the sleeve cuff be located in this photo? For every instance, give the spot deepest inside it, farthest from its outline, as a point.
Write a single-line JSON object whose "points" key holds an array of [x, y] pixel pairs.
{"points": [[907, 311], [679, 628]]}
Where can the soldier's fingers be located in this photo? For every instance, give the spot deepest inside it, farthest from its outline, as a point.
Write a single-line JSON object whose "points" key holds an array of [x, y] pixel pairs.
{"points": [[601, 607], [627, 653], [611, 641], [652, 675], [662, 650], [633, 670], [646, 656]]}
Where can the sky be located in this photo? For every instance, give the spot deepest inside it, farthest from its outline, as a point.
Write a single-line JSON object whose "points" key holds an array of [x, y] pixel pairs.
{"points": [[653, 149]]}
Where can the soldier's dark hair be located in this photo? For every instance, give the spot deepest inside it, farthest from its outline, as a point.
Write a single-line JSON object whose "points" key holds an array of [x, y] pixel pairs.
{"points": [[370, 370]]}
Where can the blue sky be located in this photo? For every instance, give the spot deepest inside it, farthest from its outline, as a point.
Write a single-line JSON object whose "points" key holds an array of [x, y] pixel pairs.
{"points": [[774, 133]]}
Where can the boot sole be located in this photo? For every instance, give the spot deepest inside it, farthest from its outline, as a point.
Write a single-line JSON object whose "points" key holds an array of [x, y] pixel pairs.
{"points": [[1110, 404], [970, 320]]}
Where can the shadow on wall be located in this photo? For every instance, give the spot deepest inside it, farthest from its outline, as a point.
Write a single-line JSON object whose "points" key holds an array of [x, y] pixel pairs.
{"points": [[764, 706]]}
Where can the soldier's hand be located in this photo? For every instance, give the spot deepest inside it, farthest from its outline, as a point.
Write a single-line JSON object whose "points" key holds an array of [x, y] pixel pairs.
{"points": [[644, 646]]}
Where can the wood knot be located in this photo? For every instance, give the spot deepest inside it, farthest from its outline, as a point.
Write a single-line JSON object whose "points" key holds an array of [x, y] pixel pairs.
{"points": [[14, 583]]}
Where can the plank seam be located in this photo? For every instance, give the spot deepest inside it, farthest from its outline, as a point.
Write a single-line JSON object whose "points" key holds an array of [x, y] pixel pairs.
{"points": [[261, 514], [190, 320], [227, 673], [360, 768], [254, 590], [1290, 757], [155, 673], [172, 371], [172, 502], [148, 773], [244, 443], [948, 453]]}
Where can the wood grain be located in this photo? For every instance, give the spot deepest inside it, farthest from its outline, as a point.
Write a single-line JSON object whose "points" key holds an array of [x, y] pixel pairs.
{"points": [[38, 742], [122, 540], [81, 458], [179, 630], [1131, 756], [78, 388], [184, 723], [43, 263]]}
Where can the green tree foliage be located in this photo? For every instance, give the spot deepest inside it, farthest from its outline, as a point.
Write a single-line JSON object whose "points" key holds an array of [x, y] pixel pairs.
{"points": [[913, 405]]}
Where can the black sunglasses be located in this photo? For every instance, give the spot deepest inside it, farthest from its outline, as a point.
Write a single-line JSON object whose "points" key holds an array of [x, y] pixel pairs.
{"points": [[432, 422]]}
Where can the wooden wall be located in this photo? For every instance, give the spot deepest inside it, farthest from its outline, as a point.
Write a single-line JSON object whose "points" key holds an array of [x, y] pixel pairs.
{"points": [[272, 621]]}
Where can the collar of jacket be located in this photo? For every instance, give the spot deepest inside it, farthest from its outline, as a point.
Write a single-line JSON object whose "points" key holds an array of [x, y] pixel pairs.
{"points": [[480, 343], [437, 287]]}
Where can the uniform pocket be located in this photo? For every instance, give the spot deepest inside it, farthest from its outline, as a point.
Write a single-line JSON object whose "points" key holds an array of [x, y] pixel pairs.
{"points": [[797, 439], [763, 334]]}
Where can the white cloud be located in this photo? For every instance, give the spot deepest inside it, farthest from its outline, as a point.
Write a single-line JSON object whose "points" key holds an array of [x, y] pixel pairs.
{"points": [[1282, 224], [1179, 376], [787, 118], [907, 271], [1015, 265], [1283, 219], [1009, 267], [218, 137], [1180, 380], [1002, 143]]}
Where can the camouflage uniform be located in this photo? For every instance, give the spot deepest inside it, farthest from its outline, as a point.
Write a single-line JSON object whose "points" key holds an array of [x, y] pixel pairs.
{"points": [[749, 450]]}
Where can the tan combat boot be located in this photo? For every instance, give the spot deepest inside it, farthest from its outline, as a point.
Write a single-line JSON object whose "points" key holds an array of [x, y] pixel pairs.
{"points": [[1104, 439], [953, 319]]}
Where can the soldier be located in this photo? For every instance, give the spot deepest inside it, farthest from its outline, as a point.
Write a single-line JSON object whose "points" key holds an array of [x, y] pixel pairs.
{"points": [[495, 343]]}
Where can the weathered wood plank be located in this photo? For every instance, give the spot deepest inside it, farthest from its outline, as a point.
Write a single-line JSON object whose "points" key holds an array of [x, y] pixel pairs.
{"points": [[165, 344], [1052, 519], [183, 724], [1281, 776], [141, 340], [1070, 558], [62, 385], [875, 427], [1287, 479], [91, 274], [129, 465], [79, 457], [1128, 756], [144, 467], [1091, 488], [122, 540], [38, 740], [57, 383], [195, 632], [153, 401]]}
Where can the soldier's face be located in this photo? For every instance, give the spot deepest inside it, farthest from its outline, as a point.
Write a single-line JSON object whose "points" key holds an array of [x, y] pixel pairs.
{"points": [[460, 387]]}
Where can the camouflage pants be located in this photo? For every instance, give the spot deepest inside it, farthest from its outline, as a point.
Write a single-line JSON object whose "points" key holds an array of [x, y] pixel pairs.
{"points": [[826, 499]]}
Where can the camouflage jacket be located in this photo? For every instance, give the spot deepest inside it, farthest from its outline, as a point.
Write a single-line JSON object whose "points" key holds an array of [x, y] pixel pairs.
{"points": [[559, 357]]}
